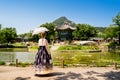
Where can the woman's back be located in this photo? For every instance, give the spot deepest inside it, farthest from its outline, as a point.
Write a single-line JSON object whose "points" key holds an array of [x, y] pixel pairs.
{"points": [[42, 42]]}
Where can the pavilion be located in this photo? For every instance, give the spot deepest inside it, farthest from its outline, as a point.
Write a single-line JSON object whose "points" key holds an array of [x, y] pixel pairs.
{"points": [[65, 32]]}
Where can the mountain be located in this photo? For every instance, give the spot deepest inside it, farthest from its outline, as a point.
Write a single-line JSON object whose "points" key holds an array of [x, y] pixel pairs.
{"points": [[101, 29], [60, 21]]}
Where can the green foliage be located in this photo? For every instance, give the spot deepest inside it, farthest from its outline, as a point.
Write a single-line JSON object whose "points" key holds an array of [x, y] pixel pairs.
{"points": [[116, 20], [78, 47], [85, 59], [110, 32], [8, 35], [84, 31], [13, 49], [81, 58], [19, 44], [101, 64], [89, 48], [69, 47], [23, 64], [34, 38], [12, 64], [2, 63], [113, 44], [0, 26], [29, 36], [100, 29], [51, 33], [33, 48]]}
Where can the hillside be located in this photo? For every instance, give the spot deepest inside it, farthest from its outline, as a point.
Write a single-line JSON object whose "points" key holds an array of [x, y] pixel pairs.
{"points": [[60, 21], [101, 29]]}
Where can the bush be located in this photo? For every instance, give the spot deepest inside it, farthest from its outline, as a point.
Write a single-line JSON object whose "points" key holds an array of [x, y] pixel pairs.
{"points": [[23, 64], [69, 47], [78, 47], [12, 64], [2, 63], [101, 64], [113, 44]]}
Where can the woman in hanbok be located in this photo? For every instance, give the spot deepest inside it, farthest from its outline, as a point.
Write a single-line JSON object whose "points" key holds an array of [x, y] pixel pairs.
{"points": [[43, 61]]}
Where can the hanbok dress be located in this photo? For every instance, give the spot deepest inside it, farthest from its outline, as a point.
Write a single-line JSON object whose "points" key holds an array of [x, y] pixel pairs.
{"points": [[43, 61]]}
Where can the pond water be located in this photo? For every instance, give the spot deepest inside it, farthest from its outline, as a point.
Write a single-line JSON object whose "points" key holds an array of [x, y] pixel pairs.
{"points": [[21, 56], [70, 57]]}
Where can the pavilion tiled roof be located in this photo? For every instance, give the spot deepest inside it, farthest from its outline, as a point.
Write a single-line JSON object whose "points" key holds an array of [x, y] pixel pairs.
{"points": [[66, 26]]}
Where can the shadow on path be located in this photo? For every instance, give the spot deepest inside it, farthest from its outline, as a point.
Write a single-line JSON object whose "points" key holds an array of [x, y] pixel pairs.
{"points": [[20, 78], [77, 76], [91, 73], [111, 75], [51, 74], [74, 76]]}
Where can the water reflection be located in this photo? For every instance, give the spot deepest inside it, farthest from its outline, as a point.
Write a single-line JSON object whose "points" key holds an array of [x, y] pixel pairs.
{"points": [[21, 56]]}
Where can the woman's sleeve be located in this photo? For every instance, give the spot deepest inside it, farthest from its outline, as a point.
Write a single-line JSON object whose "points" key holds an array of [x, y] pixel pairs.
{"points": [[47, 46]]}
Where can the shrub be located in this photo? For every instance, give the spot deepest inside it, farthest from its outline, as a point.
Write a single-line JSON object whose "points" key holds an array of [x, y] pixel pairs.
{"points": [[23, 64], [12, 64], [2, 63], [113, 44], [69, 47], [78, 47]]}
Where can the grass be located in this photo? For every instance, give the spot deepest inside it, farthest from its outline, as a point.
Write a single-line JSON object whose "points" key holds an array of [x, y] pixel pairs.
{"points": [[21, 64], [13, 49], [35, 48], [77, 47], [19, 44], [86, 59]]}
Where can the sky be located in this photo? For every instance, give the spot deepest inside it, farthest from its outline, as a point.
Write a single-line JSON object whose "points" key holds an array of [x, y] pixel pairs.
{"points": [[26, 15]]}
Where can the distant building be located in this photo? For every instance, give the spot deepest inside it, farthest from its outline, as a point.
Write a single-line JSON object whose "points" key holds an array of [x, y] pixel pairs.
{"points": [[96, 39], [19, 39], [65, 32]]}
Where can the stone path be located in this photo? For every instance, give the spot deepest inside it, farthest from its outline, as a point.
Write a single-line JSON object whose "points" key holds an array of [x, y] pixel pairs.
{"points": [[79, 73]]}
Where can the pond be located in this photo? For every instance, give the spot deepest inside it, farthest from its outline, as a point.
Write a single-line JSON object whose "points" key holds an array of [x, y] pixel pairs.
{"points": [[70, 57], [11, 54], [21, 56]]}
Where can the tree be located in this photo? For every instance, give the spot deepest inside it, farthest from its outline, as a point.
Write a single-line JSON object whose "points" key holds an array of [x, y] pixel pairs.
{"points": [[100, 29], [8, 35], [116, 20], [0, 26], [34, 38], [110, 32], [51, 33], [30, 37], [84, 31]]}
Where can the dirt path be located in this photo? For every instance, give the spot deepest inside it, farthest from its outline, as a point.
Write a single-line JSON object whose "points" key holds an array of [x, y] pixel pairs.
{"points": [[79, 73]]}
